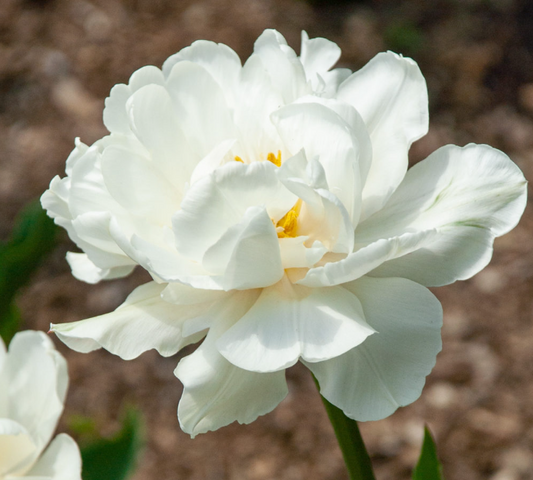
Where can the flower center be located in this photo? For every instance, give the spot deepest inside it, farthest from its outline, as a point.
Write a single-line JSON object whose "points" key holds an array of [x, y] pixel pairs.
{"points": [[289, 222], [288, 225], [275, 159]]}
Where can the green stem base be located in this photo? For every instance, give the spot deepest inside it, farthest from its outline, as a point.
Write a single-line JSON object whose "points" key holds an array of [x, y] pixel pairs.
{"points": [[351, 443]]}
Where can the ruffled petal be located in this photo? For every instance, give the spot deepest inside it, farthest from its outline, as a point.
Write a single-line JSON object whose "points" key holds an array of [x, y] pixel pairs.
{"points": [[318, 55], [390, 93], [154, 122], [86, 271], [288, 322], [283, 66], [468, 195], [323, 134], [248, 254], [220, 61], [220, 200], [323, 218], [144, 321], [37, 382], [60, 461], [217, 393], [200, 106], [138, 187], [388, 370], [365, 260]]}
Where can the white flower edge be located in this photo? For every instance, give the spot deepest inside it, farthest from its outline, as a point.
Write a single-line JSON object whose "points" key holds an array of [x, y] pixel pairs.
{"points": [[34, 381]]}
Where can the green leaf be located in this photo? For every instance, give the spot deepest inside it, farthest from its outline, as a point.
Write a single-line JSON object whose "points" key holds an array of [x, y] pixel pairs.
{"points": [[114, 458], [428, 467], [33, 237], [9, 324]]}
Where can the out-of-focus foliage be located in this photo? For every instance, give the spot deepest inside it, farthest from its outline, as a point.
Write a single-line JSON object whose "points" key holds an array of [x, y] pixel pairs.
{"points": [[428, 467], [33, 237], [403, 37], [112, 458]]}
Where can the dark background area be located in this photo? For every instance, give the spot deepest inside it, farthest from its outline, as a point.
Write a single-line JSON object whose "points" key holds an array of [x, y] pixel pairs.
{"points": [[58, 61]]}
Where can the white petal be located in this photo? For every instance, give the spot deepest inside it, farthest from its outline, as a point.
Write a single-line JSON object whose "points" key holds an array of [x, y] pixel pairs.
{"points": [[390, 94], [294, 254], [216, 392], [366, 259], [60, 461], [388, 370], [323, 134], [285, 69], [115, 116], [470, 195], [136, 185], [154, 122], [38, 382], [86, 271], [288, 322], [181, 294], [148, 75], [322, 217], [318, 55], [220, 61], [144, 321], [247, 255], [215, 203], [211, 161], [17, 449], [257, 99], [200, 106]]}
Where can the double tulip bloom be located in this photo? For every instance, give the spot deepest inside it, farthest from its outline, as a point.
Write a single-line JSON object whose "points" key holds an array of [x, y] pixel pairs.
{"points": [[33, 385], [272, 206]]}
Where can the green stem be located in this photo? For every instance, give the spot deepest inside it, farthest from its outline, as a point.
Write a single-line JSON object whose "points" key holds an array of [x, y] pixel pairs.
{"points": [[352, 446]]}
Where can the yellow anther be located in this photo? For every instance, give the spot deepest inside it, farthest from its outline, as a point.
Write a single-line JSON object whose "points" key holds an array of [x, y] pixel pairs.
{"points": [[289, 222], [276, 160], [238, 159]]}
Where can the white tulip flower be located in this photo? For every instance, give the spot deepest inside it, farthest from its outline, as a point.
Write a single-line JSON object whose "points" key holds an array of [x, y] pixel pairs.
{"points": [[272, 206], [33, 385]]}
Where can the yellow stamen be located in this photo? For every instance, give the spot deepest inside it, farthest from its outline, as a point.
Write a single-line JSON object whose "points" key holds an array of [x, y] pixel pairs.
{"points": [[276, 160], [238, 159], [289, 222]]}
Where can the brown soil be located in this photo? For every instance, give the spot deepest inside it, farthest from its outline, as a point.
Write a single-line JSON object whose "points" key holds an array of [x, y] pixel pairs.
{"points": [[58, 60]]}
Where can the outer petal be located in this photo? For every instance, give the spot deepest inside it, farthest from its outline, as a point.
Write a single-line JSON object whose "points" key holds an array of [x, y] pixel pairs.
{"points": [[216, 392], [115, 115], [469, 195], [318, 55], [390, 94], [60, 461], [17, 449], [288, 322], [138, 187], [154, 122], [144, 321], [284, 68], [86, 271], [220, 61], [388, 370], [201, 107], [38, 381]]}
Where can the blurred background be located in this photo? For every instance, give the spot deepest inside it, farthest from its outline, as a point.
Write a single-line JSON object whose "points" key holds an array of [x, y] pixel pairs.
{"points": [[58, 61]]}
